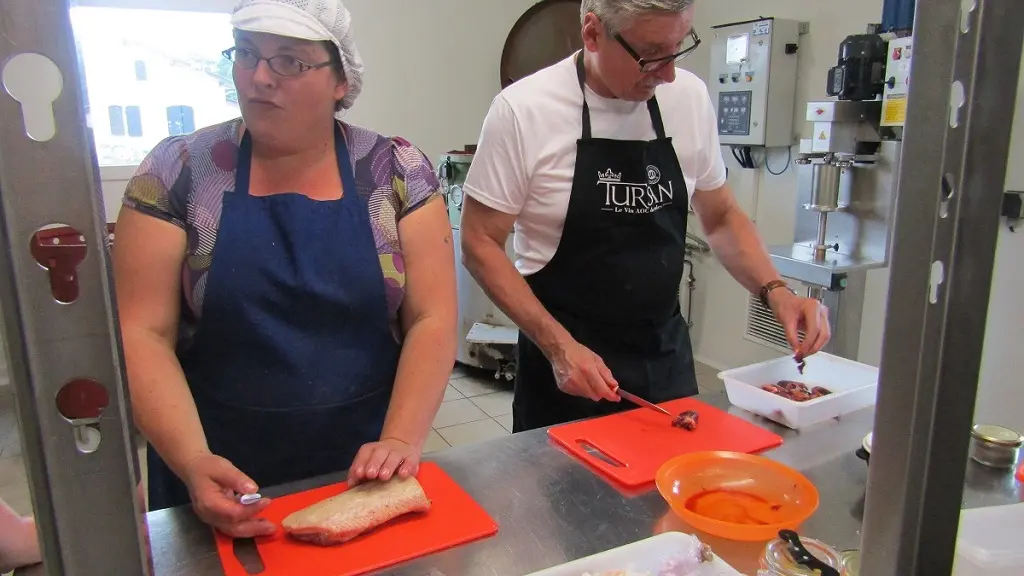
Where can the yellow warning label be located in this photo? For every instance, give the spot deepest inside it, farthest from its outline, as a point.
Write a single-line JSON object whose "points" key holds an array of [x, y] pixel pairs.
{"points": [[894, 111], [822, 136]]}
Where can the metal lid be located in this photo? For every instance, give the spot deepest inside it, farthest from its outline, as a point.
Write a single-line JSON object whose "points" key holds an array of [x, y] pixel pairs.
{"points": [[547, 33], [997, 435]]}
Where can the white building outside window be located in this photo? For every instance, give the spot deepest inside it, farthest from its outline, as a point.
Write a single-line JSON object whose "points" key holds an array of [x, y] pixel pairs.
{"points": [[153, 68]]}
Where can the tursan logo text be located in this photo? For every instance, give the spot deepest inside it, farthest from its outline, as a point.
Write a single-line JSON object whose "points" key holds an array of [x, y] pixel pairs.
{"points": [[635, 197]]}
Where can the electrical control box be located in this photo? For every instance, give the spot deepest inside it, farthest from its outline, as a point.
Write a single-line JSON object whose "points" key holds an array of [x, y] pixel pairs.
{"points": [[753, 81], [897, 82]]}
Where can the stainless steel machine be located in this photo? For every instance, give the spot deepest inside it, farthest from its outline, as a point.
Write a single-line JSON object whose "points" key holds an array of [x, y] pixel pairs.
{"points": [[846, 174]]}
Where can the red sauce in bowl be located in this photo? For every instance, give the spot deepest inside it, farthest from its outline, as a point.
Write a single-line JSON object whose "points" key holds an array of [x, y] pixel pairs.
{"points": [[734, 507]]}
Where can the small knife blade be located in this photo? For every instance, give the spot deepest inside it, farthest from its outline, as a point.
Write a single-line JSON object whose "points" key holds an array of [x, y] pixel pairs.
{"points": [[641, 402]]}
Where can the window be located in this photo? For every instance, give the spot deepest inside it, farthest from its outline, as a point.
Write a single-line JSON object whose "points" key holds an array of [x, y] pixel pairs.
{"points": [[134, 117], [180, 120], [116, 120], [140, 70], [133, 52]]}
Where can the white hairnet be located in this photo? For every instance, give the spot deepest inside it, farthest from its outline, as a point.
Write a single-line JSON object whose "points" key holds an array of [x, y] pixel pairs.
{"points": [[317, 20]]}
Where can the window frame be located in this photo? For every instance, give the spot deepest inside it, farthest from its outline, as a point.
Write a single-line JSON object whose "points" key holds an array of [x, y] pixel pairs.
{"points": [[125, 172], [117, 173], [216, 6]]}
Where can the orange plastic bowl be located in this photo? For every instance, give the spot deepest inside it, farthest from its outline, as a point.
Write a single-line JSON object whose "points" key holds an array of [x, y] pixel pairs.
{"points": [[736, 496]]}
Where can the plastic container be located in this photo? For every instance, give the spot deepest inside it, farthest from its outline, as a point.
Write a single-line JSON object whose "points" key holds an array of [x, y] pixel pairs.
{"points": [[652, 556], [776, 560], [853, 386], [989, 542], [771, 497]]}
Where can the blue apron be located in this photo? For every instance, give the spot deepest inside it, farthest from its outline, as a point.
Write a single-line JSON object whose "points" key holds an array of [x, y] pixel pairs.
{"points": [[294, 361]]}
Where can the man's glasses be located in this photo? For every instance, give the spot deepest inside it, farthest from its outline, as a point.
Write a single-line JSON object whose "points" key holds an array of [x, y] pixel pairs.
{"points": [[648, 65], [281, 64]]}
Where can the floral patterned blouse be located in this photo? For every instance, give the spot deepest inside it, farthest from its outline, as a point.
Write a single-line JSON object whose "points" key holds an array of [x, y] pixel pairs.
{"points": [[184, 178]]}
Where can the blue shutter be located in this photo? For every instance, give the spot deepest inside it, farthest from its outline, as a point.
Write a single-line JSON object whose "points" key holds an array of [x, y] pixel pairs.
{"points": [[134, 117], [180, 120], [116, 120], [140, 71]]}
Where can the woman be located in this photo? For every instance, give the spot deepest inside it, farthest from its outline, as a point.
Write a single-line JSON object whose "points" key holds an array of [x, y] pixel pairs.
{"points": [[285, 282]]}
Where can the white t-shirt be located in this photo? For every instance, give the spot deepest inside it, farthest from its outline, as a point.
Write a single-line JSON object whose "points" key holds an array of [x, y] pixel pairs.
{"points": [[527, 151]]}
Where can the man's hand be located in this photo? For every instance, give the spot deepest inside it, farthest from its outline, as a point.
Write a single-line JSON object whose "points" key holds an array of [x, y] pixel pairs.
{"points": [[580, 372], [797, 313], [383, 460]]}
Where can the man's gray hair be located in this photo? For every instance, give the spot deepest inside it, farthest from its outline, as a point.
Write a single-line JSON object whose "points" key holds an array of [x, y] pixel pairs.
{"points": [[616, 14]]}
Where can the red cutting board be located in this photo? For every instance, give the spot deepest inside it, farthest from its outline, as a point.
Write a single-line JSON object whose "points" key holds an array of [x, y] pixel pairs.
{"points": [[642, 440], [454, 518]]}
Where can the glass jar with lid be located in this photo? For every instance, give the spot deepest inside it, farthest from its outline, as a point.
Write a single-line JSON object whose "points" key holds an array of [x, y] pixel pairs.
{"points": [[995, 446], [776, 560]]}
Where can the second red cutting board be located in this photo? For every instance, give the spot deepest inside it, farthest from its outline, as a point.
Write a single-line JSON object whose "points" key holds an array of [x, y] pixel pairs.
{"points": [[454, 518], [640, 441]]}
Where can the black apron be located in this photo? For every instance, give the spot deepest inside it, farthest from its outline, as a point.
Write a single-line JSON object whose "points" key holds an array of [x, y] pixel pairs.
{"points": [[613, 282]]}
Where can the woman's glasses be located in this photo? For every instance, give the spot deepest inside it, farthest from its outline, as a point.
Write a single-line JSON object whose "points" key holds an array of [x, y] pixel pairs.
{"points": [[281, 64]]}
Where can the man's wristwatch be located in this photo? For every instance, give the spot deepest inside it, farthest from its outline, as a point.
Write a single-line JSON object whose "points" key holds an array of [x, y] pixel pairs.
{"points": [[767, 289]]}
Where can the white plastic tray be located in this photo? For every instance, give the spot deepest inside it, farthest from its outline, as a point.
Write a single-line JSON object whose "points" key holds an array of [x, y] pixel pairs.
{"points": [[853, 387], [989, 542], [648, 556]]}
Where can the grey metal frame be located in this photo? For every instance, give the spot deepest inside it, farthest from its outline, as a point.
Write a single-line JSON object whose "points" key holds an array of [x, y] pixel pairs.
{"points": [[932, 352], [85, 504]]}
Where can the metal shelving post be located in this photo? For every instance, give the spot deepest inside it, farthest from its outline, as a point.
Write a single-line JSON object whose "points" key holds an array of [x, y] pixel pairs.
{"points": [[83, 493], [962, 96]]}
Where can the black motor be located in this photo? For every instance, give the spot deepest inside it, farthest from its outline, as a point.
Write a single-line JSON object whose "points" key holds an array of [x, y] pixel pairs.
{"points": [[861, 69]]}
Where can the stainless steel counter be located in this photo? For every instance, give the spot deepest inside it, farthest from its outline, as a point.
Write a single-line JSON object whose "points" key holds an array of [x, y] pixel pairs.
{"points": [[552, 509]]}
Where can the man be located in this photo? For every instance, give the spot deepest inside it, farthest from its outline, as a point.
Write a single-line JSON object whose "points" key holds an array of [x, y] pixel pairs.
{"points": [[592, 160]]}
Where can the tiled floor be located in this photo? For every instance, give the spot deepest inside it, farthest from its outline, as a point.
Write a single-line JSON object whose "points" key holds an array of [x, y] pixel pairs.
{"points": [[476, 408]]}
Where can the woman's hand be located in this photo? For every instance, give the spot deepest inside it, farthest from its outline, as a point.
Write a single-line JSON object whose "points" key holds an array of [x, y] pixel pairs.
{"points": [[383, 460], [213, 483]]}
